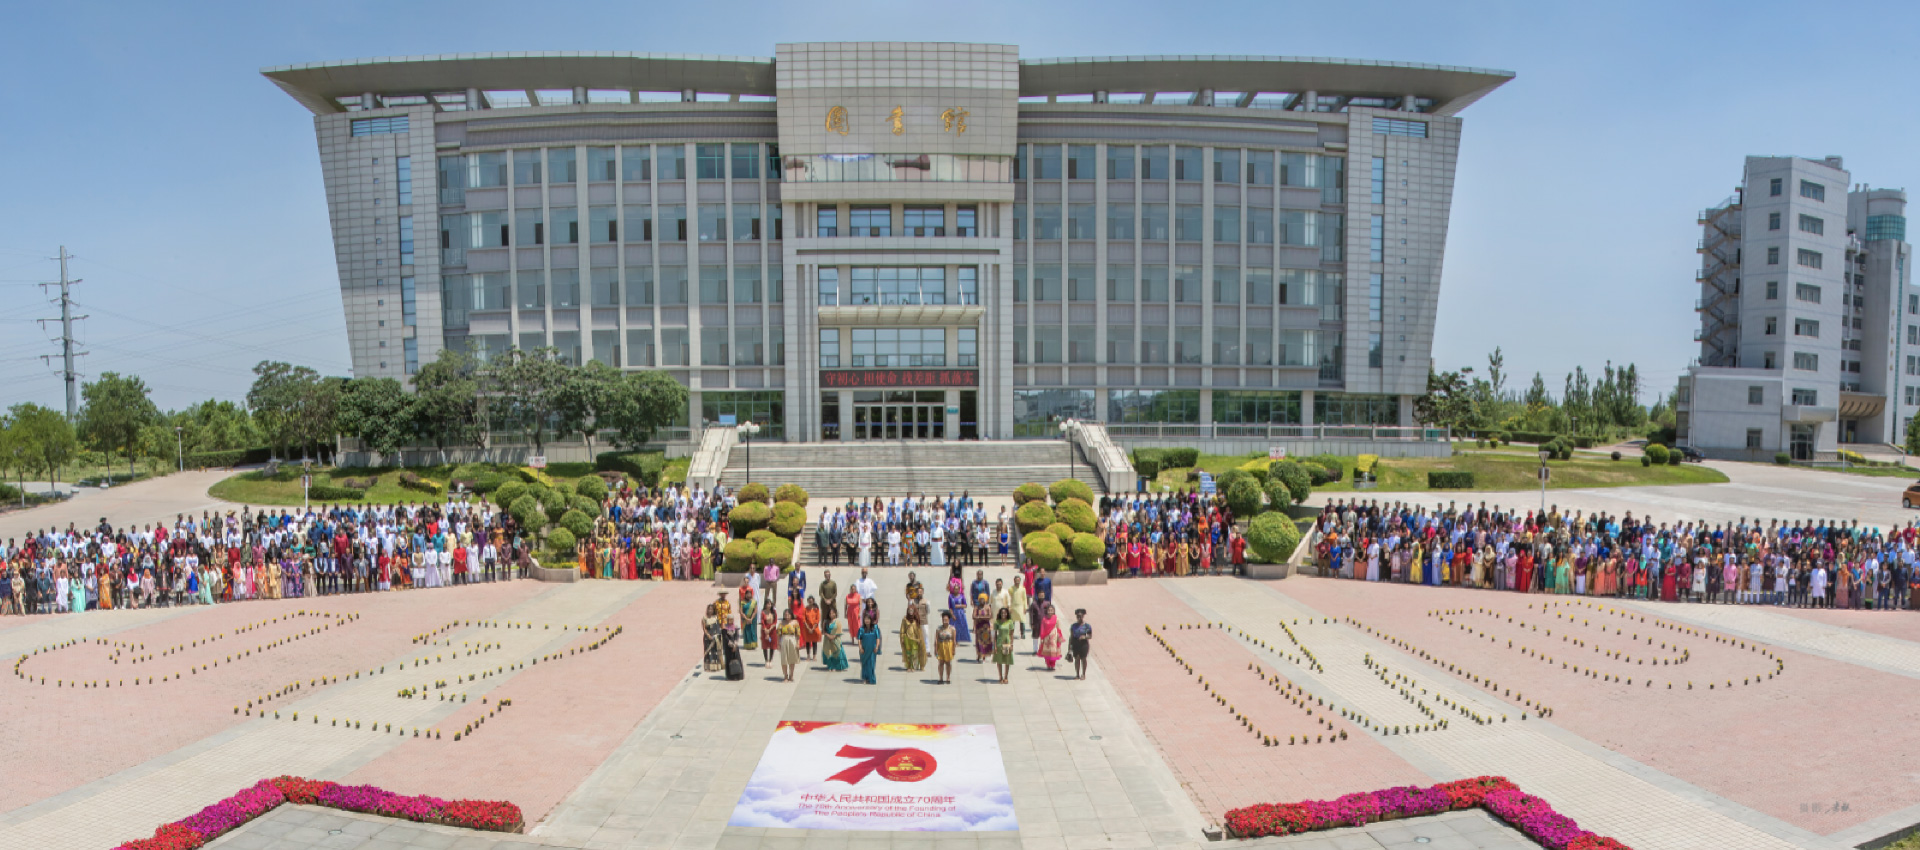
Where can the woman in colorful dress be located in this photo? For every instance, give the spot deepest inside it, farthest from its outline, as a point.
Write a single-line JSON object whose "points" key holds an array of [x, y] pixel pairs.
{"points": [[1051, 640], [1003, 643], [982, 629], [711, 654], [810, 628], [833, 653], [913, 650], [769, 633], [957, 609], [944, 643], [869, 652], [789, 646]]}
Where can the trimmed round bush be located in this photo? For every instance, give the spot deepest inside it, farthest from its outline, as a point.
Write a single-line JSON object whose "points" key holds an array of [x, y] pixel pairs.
{"points": [[554, 503], [585, 505], [1647, 461], [528, 512], [1243, 496], [749, 516], [1656, 453], [507, 493], [788, 519], [777, 551], [1076, 514], [1086, 550], [792, 493], [1259, 468], [488, 482], [1298, 481], [1044, 550], [1272, 537], [1070, 488], [580, 524], [1033, 516], [754, 492], [1318, 474], [1278, 496], [560, 542], [1225, 480], [1674, 457], [738, 556], [759, 536], [1616, 455], [591, 487], [1063, 531], [1029, 492]]}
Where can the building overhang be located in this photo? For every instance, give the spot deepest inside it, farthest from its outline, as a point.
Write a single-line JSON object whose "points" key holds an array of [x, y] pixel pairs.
{"points": [[1451, 88], [1861, 405], [902, 315]]}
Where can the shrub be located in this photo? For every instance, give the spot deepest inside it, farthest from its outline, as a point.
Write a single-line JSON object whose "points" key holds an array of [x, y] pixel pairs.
{"points": [[749, 517], [643, 466], [1616, 455], [1273, 537], [1851, 456], [1070, 488], [590, 507], [753, 492], [1226, 479], [560, 542], [759, 536], [1479, 444], [591, 487], [1029, 492], [1063, 531], [1147, 462], [1656, 453], [487, 483], [412, 481], [1318, 474], [1086, 549], [1782, 458], [777, 551], [791, 493], [1364, 464], [1043, 549], [527, 510], [507, 493], [331, 493], [1449, 480], [1077, 514], [1278, 496], [1295, 476], [788, 520], [1181, 457], [555, 503], [1646, 461], [1032, 517], [1243, 496], [1260, 468], [350, 483], [738, 556], [580, 524], [1335, 465], [1674, 458]]}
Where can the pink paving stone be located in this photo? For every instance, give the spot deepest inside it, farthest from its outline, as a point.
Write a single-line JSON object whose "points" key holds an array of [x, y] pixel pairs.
{"points": [[1904, 625], [60, 738], [1217, 760], [566, 717], [1822, 731]]}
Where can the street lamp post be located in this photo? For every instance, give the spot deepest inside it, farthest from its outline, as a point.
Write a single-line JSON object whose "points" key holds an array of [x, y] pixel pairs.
{"points": [[1067, 430], [746, 431], [179, 447], [1544, 454]]}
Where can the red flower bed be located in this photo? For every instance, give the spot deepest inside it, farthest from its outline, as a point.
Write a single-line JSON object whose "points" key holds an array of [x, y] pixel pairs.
{"points": [[1525, 812], [268, 794]]}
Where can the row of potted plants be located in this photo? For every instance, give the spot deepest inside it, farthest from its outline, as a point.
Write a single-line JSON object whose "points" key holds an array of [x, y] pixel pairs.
{"points": [[204, 826], [1533, 816]]}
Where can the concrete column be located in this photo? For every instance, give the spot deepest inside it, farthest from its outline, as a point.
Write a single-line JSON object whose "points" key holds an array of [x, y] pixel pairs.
{"points": [[687, 96], [369, 101], [1206, 98], [475, 100], [1406, 103], [1306, 407], [1100, 97], [579, 95], [1311, 102]]}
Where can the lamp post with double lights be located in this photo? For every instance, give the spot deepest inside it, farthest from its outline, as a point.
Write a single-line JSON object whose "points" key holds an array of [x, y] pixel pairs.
{"points": [[1068, 429], [746, 430]]}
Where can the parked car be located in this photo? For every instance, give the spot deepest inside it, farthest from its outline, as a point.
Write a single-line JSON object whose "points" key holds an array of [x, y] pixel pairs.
{"points": [[1690, 454], [1912, 496]]}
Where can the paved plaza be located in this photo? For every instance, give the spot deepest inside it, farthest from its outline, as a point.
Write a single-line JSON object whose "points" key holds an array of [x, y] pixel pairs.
{"points": [[1743, 727]]}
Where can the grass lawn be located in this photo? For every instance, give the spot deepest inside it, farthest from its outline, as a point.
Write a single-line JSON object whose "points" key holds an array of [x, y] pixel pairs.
{"points": [[1492, 469], [283, 488]]}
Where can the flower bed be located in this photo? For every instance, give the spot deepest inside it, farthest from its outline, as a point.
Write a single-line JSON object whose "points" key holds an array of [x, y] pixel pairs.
{"points": [[1527, 813], [264, 796]]}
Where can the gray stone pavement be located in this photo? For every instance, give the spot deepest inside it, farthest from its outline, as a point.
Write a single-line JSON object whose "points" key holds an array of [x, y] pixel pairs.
{"points": [[139, 503]]}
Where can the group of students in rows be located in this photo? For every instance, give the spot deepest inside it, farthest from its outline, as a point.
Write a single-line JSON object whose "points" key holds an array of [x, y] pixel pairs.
{"points": [[1175, 534], [238, 555], [668, 533], [808, 626], [921, 531], [1808, 563]]}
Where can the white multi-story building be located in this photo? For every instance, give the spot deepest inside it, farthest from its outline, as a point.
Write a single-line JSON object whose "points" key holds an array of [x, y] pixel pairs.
{"points": [[905, 240], [1809, 333]]}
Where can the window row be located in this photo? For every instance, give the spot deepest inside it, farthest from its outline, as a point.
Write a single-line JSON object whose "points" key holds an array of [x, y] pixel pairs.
{"points": [[1230, 407], [605, 225], [749, 345], [1181, 344], [604, 164], [1182, 223], [896, 348], [535, 289], [1183, 163], [895, 285], [1155, 283], [878, 220]]}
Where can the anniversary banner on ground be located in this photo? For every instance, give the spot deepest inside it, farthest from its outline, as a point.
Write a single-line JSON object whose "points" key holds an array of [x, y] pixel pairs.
{"points": [[879, 776]]}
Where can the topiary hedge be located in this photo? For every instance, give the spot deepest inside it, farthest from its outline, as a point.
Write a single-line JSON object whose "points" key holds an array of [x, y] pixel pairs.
{"points": [[1033, 516], [487, 483], [1070, 488], [1029, 492], [1260, 468], [1450, 480], [1272, 537], [1043, 550], [1226, 479], [1146, 462], [560, 542], [753, 492], [1656, 453], [789, 519], [508, 492], [748, 517], [791, 493], [1298, 481], [330, 493], [1181, 457], [738, 556], [759, 536], [643, 466], [1278, 496], [777, 551], [590, 507], [1243, 496], [1086, 550], [412, 481], [526, 509], [1063, 531], [591, 487], [1077, 514], [580, 524]]}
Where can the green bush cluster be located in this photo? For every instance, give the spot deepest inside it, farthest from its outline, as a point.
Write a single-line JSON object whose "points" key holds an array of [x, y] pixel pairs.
{"points": [[412, 481], [1086, 549], [1033, 516], [789, 520], [777, 551], [555, 503], [748, 517], [792, 493], [1450, 480], [1272, 537], [1061, 530], [332, 493], [580, 524], [1149, 462], [1043, 549], [560, 542], [644, 467], [753, 492], [759, 536], [527, 511], [1029, 492], [507, 492], [592, 487], [1076, 514], [1243, 495], [1782, 458], [1656, 454], [738, 556], [1296, 478], [1278, 495], [1070, 488]]}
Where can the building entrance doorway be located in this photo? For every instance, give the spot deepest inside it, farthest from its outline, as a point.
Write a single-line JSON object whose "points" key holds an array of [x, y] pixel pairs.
{"points": [[1800, 441], [900, 415]]}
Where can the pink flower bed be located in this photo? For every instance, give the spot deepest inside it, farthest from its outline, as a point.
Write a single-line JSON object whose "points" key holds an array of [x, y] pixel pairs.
{"points": [[1527, 813], [264, 796]]}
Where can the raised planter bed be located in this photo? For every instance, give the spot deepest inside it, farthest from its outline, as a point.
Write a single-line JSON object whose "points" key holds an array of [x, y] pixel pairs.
{"points": [[560, 574]]}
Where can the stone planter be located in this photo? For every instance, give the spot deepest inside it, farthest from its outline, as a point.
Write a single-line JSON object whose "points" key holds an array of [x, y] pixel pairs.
{"points": [[731, 579], [1077, 578], [1267, 572], [552, 574]]}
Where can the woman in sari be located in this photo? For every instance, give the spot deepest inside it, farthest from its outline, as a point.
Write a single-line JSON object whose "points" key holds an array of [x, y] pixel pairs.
{"points": [[944, 644], [769, 634], [913, 650], [957, 609], [789, 646], [810, 628], [1003, 643], [869, 652], [982, 629], [749, 619], [710, 639], [1563, 574], [834, 653], [1051, 639]]}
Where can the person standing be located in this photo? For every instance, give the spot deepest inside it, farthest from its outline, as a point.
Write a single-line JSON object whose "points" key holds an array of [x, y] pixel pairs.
{"points": [[810, 628], [869, 652], [829, 597], [789, 646], [711, 653], [769, 630], [1080, 643], [834, 654], [913, 652], [945, 640], [1050, 638], [1003, 643]]}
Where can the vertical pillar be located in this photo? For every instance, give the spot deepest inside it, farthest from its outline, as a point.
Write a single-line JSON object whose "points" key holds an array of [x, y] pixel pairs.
{"points": [[579, 95], [1306, 407], [687, 96], [1311, 102], [369, 101], [475, 100], [1206, 98]]}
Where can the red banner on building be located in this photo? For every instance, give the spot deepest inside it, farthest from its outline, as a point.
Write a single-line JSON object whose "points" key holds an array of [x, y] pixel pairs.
{"points": [[870, 378]]}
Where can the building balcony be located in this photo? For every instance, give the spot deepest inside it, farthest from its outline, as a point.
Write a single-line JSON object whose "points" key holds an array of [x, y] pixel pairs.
{"points": [[1858, 405]]}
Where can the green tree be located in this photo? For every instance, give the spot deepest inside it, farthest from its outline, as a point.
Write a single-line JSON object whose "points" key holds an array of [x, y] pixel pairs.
{"points": [[1497, 371], [530, 384], [294, 405], [645, 403], [447, 402], [215, 425], [117, 408], [44, 438], [1448, 402], [586, 397], [1913, 436], [378, 411]]}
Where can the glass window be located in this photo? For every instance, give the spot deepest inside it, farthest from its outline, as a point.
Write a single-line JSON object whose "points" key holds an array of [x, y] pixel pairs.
{"points": [[403, 179], [1297, 348], [1379, 195], [1260, 286], [672, 161], [969, 285], [1038, 413], [565, 286], [1226, 346], [1810, 259], [603, 288], [487, 169], [746, 161], [456, 299], [606, 347], [747, 346], [1232, 407], [604, 224], [1260, 168], [1153, 283], [492, 291], [528, 227], [673, 222], [1046, 162], [1153, 221], [560, 166], [966, 220], [1259, 226], [453, 180], [1186, 344], [713, 347], [639, 351], [639, 222], [1226, 285], [1226, 165], [1226, 224], [1046, 281], [1398, 127], [1081, 285], [746, 222], [1019, 282], [925, 221], [1080, 221], [1154, 163], [1019, 340], [526, 167], [1299, 169], [1082, 340], [636, 164], [406, 240], [898, 347], [899, 285], [1806, 292], [377, 126], [1153, 406], [566, 225], [1046, 344], [1186, 163], [1119, 343], [1377, 238], [1375, 287], [828, 284], [1019, 221], [1119, 282], [829, 348], [1153, 343], [674, 347], [530, 289], [713, 284], [713, 222], [603, 166], [1080, 162], [639, 285], [1812, 190], [872, 220], [1119, 221], [1808, 224], [746, 283], [1119, 162], [1333, 180], [1355, 409], [967, 347], [1187, 223], [410, 348], [826, 222], [409, 306], [1375, 356], [1297, 227], [710, 162], [1188, 287], [1259, 346], [1046, 221]]}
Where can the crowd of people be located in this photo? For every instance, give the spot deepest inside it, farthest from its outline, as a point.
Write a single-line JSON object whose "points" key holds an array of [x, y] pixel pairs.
{"points": [[914, 531], [267, 554], [802, 626], [1805, 564], [1170, 534], [666, 533]]}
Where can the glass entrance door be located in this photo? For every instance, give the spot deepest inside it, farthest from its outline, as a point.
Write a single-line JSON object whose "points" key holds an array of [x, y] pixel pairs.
{"points": [[900, 415]]}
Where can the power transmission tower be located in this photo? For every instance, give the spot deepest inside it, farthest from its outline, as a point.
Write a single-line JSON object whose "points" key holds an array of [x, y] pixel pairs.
{"points": [[66, 338]]}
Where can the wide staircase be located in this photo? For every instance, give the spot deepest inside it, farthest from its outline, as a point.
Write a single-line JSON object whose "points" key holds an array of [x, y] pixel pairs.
{"points": [[893, 470]]}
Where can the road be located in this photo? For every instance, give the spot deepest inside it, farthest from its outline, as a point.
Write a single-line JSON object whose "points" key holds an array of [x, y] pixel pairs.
{"points": [[139, 503]]}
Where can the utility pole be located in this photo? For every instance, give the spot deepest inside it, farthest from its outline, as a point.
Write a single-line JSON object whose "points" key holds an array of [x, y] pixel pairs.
{"points": [[67, 353]]}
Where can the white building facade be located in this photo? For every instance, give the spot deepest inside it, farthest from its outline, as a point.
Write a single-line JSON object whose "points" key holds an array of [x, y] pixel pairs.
{"points": [[1810, 331], [907, 240]]}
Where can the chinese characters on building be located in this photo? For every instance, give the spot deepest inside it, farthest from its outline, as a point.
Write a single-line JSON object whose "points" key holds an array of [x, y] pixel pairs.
{"points": [[899, 378], [953, 120]]}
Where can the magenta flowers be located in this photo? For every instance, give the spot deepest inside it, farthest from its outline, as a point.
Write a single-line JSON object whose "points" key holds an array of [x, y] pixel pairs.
{"points": [[1533, 816], [262, 797]]}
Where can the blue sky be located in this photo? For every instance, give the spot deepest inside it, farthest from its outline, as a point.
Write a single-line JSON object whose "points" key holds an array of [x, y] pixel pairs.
{"points": [[143, 138]]}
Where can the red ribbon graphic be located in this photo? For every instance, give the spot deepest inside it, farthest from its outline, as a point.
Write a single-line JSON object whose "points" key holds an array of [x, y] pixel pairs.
{"points": [[902, 765]]}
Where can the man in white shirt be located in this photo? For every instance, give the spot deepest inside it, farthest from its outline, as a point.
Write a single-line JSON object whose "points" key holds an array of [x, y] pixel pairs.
{"points": [[865, 586]]}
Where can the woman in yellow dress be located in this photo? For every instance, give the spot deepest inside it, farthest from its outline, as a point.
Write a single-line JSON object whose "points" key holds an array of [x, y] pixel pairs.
{"points": [[913, 650]]}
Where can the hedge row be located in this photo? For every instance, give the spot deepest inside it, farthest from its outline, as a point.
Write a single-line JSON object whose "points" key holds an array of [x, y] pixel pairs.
{"points": [[1543, 437], [228, 457], [1148, 462], [330, 493], [643, 466], [1454, 480]]}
